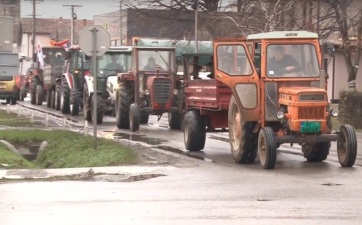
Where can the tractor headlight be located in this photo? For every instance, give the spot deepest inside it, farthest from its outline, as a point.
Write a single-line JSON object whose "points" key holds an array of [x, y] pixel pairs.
{"points": [[175, 91], [147, 92], [334, 112], [280, 115]]}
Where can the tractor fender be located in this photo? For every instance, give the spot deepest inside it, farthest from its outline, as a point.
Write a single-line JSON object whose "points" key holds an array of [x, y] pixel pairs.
{"points": [[69, 78], [89, 83]]}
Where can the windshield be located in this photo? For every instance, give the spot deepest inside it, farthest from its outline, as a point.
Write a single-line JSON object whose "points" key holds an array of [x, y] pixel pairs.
{"points": [[54, 56], [112, 63], [150, 59], [297, 60]]}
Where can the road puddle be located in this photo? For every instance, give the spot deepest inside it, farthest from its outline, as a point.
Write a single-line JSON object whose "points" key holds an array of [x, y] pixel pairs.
{"points": [[138, 137], [181, 152]]}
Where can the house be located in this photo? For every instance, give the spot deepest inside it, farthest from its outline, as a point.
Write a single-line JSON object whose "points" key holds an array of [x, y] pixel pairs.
{"points": [[46, 30]]}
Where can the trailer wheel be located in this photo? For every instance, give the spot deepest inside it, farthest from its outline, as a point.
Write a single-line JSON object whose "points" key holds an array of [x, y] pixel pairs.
{"points": [[267, 148], [124, 98], [316, 152], [134, 117], [64, 97], [243, 141], [39, 95], [347, 146], [74, 108], [195, 131], [34, 84], [49, 98], [144, 118]]}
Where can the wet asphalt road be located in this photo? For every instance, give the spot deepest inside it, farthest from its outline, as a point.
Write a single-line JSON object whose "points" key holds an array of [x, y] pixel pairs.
{"points": [[217, 149]]}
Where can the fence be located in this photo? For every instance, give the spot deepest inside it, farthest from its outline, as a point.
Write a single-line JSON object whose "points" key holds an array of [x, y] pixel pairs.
{"points": [[42, 119]]}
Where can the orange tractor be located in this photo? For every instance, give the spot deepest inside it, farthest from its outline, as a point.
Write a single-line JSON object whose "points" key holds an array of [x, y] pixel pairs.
{"points": [[269, 89]]}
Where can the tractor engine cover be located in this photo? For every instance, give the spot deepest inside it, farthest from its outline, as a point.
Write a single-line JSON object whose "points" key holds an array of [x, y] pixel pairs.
{"points": [[160, 91]]}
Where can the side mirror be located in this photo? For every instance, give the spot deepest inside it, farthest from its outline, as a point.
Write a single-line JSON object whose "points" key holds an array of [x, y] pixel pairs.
{"points": [[21, 60]]}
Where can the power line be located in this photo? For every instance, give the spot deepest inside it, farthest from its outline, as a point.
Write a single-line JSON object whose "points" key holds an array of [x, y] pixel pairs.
{"points": [[34, 24], [73, 17]]}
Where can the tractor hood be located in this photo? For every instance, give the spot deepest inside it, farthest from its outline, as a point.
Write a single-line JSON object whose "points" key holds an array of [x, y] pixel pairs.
{"points": [[301, 90], [307, 96]]}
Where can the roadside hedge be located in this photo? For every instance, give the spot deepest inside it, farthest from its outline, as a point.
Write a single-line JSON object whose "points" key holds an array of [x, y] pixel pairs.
{"points": [[350, 108]]}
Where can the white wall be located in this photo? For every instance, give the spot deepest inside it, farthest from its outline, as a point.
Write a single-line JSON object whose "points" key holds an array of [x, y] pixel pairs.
{"points": [[341, 77]]}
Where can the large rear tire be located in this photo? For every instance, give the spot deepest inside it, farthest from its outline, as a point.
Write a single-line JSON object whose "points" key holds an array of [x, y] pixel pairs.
{"points": [[33, 84], [124, 99], [195, 131], [134, 117], [100, 109], [49, 97], [64, 97], [243, 141], [39, 95], [267, 148], [347, 146]]}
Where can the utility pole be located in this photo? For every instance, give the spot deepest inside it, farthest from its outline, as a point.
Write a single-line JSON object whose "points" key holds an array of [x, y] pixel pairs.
{"points": [[196, 7], [73, 17], [120, 24], [34, 24]]}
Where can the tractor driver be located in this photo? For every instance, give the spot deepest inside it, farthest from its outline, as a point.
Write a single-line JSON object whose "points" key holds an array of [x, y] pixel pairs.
{"points": [[282, 63], [151, 66], [114, 66]]}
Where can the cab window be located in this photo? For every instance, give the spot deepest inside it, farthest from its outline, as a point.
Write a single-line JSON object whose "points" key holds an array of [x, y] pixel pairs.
{"points": [[232, 60]]}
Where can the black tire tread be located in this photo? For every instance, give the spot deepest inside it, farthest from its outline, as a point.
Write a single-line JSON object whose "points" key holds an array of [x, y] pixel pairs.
{"points": [[271, 152], [197, 131], [125, 97]]}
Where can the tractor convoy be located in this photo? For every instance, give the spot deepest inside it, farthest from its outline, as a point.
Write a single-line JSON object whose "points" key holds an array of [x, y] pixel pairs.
{"points": [[265, 90]]}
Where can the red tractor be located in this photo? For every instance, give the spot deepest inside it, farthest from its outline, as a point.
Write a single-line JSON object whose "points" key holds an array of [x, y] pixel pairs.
{"points": [[43, 77], [148, 89], [268, 90]]}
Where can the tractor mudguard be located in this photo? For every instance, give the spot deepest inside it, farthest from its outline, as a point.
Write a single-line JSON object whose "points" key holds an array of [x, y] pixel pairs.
{"points": [[69, 80], [89, 83]]}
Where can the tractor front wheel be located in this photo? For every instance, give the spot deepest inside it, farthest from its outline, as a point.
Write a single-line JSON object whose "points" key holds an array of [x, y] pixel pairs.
{"points": [[267, 148], [134, 117], [175, 120], [195, 131], [243, 141], [124, 99], [64, 97], [347, 146], [75, 98]]}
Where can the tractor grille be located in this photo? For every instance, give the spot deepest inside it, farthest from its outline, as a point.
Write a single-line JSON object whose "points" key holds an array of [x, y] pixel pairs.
{"points": [[311, 113], [161, 90]]}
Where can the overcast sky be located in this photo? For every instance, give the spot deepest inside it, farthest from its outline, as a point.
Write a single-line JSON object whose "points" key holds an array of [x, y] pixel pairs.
{"points": [[55, 8]]}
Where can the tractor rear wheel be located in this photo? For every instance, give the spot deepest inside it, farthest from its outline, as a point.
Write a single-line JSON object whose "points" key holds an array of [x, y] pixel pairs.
{"points": [[134, 117], [86, 105], [317, 152], [267, 148], [243, 141], [195, 131], [124, 99], [22, 93], [64, 97], [347, 146], [39, 95], [33, 84]]}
